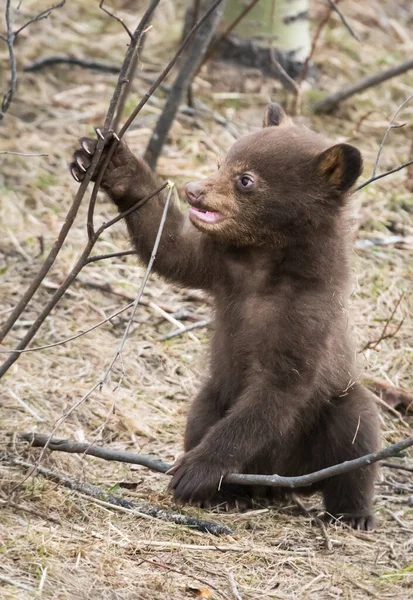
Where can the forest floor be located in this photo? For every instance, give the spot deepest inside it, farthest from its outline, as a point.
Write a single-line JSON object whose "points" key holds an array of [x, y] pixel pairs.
{"points": [[56, 543]]}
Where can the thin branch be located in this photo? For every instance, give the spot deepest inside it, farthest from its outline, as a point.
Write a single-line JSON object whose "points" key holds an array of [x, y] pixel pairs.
{"points": [[118, 352], [343, 20], [69, 280], [233, 586], [393, 465], [43, 15], [40, 440], [93, 259], [188, 328], [84, 63], [330, 102], [390, 126], [119, 20], [9, 39], [385, 174], [151, 511], [373, 345], [71, 215], [71, 338], [22, 153], [327, 542]]}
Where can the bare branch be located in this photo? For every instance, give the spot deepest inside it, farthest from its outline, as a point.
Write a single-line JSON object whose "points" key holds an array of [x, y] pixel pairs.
{"points": [[22, 153], [71, 338], [118, 352], [9, 39], [144, 509], [330, 102], [393, 465], [395, 170], [82, 261], [71, 215], [93, 259], [43, 15], [187, 329], [40, 440], [383, 336], [390, 126], [113, 16], [84, 63], [317, 520], [343, 20]]}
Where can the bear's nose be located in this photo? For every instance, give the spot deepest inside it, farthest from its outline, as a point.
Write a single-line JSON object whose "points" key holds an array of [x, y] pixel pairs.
{"points": [[194, 192]]}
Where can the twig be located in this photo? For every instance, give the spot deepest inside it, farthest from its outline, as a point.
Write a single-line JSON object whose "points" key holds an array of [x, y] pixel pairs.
{"points": [[390, 395], [186, 329], [71, 215], [182, 81], [233, 586], [317, 520], [389, 127], [330, 102], [26, 406], [395, 170], [69, 280], [95, 492], [384, 336], [393, 465], [43, 15], [93, 259], [22, 153], [72, 337], [118, 352], [85, 63], [10, 38], [41, 440], [343, 20], [113, 16]]}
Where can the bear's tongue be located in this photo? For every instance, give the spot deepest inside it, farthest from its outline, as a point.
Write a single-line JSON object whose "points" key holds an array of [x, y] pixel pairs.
{"points": [[205, 215]]}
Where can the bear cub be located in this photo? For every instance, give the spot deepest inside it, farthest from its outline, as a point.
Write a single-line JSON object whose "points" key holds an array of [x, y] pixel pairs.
{"points": [[268, 237]]}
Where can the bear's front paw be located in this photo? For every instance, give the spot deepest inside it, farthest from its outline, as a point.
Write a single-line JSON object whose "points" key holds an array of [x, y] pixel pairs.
{"points": [[195, 478], [122, 171]]}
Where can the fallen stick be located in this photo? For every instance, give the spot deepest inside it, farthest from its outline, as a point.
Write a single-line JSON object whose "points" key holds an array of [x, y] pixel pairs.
{"points": [[331, 102], [154, 464], [151, 511]]}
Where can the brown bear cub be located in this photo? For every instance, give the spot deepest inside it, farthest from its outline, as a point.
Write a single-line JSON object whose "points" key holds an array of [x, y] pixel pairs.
{"points": [[268, 236]]}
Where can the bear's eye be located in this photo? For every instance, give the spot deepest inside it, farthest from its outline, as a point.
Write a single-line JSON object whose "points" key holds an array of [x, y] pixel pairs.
{"points": [[246, 182]]}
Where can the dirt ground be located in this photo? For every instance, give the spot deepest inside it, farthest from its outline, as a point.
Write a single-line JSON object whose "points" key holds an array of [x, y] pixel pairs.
{"points": [[56, 543]]}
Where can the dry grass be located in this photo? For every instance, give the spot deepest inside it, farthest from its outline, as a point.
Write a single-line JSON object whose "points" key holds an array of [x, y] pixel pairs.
{"points": [[55, 543]]}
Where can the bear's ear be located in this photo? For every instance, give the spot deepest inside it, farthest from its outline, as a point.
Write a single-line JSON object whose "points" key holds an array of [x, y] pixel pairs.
{"points": [[340, 166], [274, 116]]}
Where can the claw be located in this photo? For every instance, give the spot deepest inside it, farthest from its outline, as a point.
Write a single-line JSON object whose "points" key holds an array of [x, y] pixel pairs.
{"points": [[115, 135], [80, 165], [74, 174], [85, 147], [99, 133]]}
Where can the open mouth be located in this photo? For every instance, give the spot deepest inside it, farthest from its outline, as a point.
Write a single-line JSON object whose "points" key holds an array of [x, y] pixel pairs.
{"points": [[208, 216]]}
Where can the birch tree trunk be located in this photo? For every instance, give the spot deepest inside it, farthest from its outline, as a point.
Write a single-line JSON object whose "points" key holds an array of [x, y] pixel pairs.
{"points": [[271, 29]]}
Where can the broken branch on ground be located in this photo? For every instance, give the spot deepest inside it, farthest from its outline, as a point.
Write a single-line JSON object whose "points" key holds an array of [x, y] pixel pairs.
{"points": [[154, 464]]}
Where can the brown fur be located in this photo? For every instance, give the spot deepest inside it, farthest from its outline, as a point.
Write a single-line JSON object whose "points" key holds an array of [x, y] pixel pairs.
{"points": [[280, 395]]}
